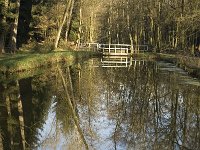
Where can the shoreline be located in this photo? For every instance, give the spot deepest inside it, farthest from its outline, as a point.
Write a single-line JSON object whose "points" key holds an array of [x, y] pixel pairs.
{"points": [[23, 62], [10, 64], [187, 63]]}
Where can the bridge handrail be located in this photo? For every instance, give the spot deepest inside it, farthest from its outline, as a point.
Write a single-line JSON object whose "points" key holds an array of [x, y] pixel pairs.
{"points": [[113, 48], [116, 44], [102, 47]]}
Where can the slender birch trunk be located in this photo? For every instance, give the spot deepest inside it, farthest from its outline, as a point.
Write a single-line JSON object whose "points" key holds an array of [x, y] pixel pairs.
{"points": [[136, 39], [65, 16], [91, 28], [152, 30], [176, 36], [109, 24], [80, 25], [69, 21], [129, 30]]}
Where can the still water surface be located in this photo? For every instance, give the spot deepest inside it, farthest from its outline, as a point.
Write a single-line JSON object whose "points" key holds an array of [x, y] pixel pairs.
{"points": [[119, 104]]}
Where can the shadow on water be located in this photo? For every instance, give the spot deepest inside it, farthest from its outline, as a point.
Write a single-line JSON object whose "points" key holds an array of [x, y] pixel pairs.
{"points": [[108, 103]]}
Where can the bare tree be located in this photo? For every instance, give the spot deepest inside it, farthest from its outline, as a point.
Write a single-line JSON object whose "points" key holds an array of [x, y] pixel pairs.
{"points": [[64, 18]]}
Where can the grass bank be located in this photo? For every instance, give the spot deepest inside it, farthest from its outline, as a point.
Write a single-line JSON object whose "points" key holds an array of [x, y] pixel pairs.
{"points": [[26, 62], [23, 62], [188, 63]]}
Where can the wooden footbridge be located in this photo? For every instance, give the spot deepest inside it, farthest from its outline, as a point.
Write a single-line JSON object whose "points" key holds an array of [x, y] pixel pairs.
{"points": [[115, 49]]}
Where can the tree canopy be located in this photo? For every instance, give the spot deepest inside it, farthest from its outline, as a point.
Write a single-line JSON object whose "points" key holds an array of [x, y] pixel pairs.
{"points": [[164, 25]]}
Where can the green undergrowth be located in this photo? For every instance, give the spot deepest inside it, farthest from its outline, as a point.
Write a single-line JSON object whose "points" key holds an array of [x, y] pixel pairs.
{"points": [[24, 62]]}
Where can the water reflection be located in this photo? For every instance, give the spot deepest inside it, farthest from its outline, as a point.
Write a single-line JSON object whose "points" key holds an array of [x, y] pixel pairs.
{"points": [[142, 105]]}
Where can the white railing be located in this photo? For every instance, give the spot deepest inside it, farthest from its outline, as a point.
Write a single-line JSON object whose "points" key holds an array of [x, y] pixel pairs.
{"points": [[115, 49]]}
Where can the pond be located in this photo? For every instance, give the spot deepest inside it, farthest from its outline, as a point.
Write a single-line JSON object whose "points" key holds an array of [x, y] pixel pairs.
{"points": [[102, 104]]}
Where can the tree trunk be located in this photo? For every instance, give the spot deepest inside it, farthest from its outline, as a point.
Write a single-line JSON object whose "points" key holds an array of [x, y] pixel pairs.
{"points": [[182, 7], [80, 25], [2, 42], [136, 40], [24, 22], [91, 27], [158, 38], [2, 30], [152, 30], [69, 21], [176, 35], [109, 24], [13, 30], [12, 39], [65, 16], [131, 40]]}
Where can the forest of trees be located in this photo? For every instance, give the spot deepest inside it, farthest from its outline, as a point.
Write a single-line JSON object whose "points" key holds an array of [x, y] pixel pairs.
{"points": [[163, 25]]}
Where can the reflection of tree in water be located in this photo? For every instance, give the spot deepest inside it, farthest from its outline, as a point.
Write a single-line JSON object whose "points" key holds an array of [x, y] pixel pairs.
{"points": [[36, 97], [160, 113], [149, 109], [63, 112], [24, 104]]}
